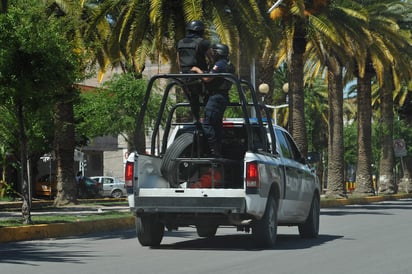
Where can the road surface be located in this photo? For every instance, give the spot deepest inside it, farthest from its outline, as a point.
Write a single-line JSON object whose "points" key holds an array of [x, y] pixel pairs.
{"points": [[364, 239]]}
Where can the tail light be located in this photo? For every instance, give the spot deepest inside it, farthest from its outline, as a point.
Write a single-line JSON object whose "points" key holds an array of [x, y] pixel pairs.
{"points": [[128, 175], [252, 175]]}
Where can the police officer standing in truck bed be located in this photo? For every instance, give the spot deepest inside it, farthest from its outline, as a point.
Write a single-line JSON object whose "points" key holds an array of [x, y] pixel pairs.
{"points": [[194, 50], [218, 90]]}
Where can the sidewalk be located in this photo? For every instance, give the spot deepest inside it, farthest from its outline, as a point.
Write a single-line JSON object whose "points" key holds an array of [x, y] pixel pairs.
{"points": [[44, 231]]}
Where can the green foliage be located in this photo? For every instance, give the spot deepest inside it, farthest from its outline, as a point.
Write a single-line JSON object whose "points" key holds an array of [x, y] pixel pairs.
{"points": [[7, 190], [40, 60], [403, 131], [114, 108], [316, 109], [36, 59], [350, 135]]}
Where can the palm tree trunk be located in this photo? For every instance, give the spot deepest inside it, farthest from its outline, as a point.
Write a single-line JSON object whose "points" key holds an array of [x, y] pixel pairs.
{"points": [[387, 182], [266, 70], [64, 148], [335, 176], [364, 166], [297, 126]]}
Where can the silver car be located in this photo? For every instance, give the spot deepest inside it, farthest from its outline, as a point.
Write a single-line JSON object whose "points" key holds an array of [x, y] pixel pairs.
{"points": [[112, 186]]}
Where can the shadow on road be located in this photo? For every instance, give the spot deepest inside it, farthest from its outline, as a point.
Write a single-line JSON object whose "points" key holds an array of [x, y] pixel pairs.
{"points": [[243, 242], [30, 252]]}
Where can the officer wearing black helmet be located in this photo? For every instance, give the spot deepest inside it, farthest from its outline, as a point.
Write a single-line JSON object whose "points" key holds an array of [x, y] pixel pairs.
{"points": [[194, 50], [218, 89]]}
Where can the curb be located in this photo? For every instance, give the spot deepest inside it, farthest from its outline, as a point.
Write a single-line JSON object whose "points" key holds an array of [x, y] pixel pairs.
{"points": [[44, 231], [36, 232], [363, 200]]}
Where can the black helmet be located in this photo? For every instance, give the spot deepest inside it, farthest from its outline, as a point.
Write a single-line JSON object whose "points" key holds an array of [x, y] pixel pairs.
{"points": [[221, 49], [196, 26]]}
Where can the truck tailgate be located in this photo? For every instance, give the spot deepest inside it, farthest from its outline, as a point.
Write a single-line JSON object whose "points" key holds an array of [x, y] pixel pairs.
{"points": [[190, 200]]}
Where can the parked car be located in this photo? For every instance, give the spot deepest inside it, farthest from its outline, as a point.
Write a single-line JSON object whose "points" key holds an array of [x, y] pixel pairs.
{"points": [[112, 186], [89, 188], [46, 186]]}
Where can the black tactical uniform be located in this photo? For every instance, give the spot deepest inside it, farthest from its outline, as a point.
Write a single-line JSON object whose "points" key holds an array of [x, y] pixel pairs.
{"points": [[218, 89], [192, 51]]}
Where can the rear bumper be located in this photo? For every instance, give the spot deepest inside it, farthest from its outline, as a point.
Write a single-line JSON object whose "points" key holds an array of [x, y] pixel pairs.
{"points": [[218, 205]]}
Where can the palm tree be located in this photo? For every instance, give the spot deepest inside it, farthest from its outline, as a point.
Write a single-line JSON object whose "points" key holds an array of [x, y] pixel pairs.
{"points": [[386, 51], [292, 20], [335, 138], [387, 160], [364, 102], [330, 38], [162, 23], [392, 88], [70, 14]]}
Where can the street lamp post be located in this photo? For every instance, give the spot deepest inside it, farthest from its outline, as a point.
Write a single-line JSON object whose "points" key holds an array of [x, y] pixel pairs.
{"points": [[275, 108], [264, 89], [274, 6]]}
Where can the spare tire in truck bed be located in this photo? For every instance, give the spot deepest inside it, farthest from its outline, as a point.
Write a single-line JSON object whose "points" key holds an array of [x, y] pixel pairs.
{"points": [[181, 146]]}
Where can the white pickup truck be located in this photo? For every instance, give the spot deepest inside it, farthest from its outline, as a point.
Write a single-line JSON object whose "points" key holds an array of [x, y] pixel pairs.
{"points": [[260, 181]]}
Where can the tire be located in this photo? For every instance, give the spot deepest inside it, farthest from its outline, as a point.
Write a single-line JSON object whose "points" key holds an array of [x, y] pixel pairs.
{"points": [[264, 231], [117, 194], [181, 146], [149, 231], [206, 231], [310, 228]]}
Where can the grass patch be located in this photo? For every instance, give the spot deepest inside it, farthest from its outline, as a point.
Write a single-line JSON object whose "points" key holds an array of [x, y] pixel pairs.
{"points": [[37, 220], [109, 203], [7, 199]]}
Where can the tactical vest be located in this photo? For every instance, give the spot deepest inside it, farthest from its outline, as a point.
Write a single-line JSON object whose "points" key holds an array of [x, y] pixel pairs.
{"points": [[189, 54], [220, 84]]}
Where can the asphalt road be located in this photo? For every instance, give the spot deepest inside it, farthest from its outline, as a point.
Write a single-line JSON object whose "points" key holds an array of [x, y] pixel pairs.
{"points": [[363, 239]]}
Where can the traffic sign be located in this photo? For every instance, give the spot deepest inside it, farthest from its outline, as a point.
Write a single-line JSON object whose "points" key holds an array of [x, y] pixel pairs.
{"points": [[399, 147]]}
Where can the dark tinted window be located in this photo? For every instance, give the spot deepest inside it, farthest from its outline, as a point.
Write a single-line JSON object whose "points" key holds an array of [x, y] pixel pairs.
{"points": [[283, 144], [294, 150], [259, 138], [287, 146]]}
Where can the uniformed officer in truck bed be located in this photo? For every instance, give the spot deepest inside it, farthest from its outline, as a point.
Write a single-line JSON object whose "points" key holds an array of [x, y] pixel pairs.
{"points": [[194, 50], [218, 90]]}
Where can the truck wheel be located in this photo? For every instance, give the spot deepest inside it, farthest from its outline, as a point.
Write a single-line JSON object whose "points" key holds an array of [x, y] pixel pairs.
{"points": [[149, 231], [181, 146], [310, 228], [206, 231], [264, 231]]}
